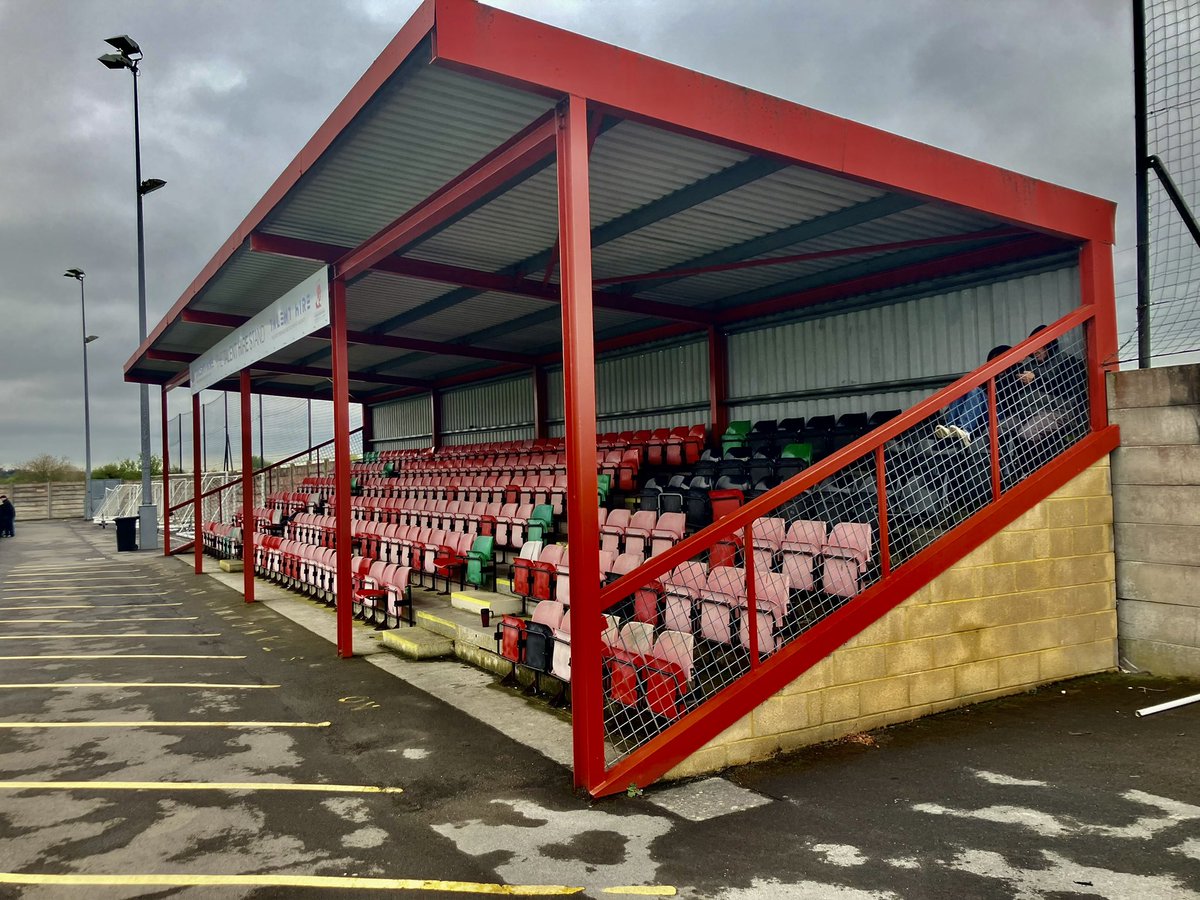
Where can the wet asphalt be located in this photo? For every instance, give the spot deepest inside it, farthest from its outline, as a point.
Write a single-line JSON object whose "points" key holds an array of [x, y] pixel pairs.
{"points": [[1062, 792]]}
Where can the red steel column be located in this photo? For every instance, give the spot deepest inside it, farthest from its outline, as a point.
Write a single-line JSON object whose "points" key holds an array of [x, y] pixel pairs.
{"points": [[166, 477], [247, 491], [1096, 289], [341, 464], [540, 404], [579, 401], [197, 503], [435, 418], [718, 384]]}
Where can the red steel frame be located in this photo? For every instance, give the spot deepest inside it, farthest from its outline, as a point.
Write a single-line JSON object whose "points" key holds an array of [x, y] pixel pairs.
{"points": [[688, 734], [197, 502], [499, 46], [166, 476], [579, 405], [247, 489], [718, 383]]}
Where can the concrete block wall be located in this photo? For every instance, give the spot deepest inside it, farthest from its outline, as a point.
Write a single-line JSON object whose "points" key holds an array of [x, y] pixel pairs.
{"points": [[1035, 603], [1156, 498]]}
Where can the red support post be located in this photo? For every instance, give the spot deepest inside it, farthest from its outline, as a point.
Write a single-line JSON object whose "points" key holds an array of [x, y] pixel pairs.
{"points": [[751, 594], [718, 383], [1097, 290], [540, 404], [341, 465], [994, 437], [197, 502], [885, 543], [435, 419], [579, 404], [166, 477], [247, 490]]}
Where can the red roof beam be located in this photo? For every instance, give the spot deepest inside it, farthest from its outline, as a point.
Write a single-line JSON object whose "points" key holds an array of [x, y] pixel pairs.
{"points": [[509, 161], [472, 278]]}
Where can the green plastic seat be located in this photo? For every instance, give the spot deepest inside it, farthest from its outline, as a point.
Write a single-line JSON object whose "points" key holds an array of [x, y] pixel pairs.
{"points": [[540, 523], [481, 561], [389, 469], [735, 435], [603, 486], [802, 451]]}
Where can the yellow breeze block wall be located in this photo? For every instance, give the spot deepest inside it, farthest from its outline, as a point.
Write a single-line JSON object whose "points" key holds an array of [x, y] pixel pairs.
{"points": [[1033, 604]]}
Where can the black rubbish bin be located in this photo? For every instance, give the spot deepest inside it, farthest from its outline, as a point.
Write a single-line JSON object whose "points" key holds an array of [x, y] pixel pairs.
{"points": [[126, 532]]}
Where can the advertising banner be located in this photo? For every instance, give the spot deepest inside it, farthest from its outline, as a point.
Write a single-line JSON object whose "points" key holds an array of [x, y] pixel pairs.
{"points": [[298, 313]]}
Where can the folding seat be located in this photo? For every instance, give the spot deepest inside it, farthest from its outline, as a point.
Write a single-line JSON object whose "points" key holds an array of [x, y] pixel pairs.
{"points": [[817, 433], [849, 428], [487, 518], [539, 635], [510, 638], [880, 417], [762, 438], [768, 533], [520, 572], [846, 552], [607, 559], [726, 551], [725, 498], [543, 489], [736, 435], [561, 664], [624, 662], [627, 470], [697, 504], [603, 517], [423, 565], [667, 674], [656, 447], [647, 598], [558, 493], [667, 532], [612, 532], [793, 459], [609, 464], [724, 590], [545, 571], [603, 487], [682, 587], [450, 559], [412, 548], [651, 492], [760, 468], [677, 444], [800, 549], [640, 441], [606, 441], [637, 532], [772, 597], [372, 591], [481, 561], [536, 526], [504, 520]]}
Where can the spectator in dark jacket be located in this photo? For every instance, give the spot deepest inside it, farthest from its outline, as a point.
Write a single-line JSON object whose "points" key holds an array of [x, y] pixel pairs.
{"points": [[8, 515], [967, 416]]}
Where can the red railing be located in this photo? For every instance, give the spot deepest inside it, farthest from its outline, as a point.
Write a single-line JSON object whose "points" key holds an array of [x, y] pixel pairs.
{"points": [[998, 481]]}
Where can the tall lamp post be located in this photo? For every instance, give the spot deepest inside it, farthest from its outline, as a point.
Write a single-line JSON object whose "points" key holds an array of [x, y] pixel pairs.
{"points": [[128, 55], [77, 274]]}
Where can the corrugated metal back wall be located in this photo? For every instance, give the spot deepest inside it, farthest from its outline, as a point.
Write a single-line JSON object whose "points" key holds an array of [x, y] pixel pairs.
{"points": [[404, 424], [496, 411], [655, 389], [933, 337], [771, 370]]}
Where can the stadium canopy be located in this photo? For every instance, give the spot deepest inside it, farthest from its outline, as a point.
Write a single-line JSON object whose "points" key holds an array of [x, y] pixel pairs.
{"points": [[433, 191]]}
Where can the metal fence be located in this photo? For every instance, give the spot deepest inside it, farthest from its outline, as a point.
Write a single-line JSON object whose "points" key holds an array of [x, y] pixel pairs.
{"points": [[698, 617], [1167, 169]]}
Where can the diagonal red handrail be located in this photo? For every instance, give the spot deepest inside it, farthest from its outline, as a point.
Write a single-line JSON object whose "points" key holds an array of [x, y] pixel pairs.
{"points": [[657, 566], [273, 465]]}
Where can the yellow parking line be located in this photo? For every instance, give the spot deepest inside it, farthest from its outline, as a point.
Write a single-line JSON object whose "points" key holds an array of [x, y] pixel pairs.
{"points": [[642, 890], [195, 786], [62, 685], [87, 606], [98, 621], [58, 587], [75, 576], [120, 656], [62, 637], [88, 596], [165, 724], [296, 881]]}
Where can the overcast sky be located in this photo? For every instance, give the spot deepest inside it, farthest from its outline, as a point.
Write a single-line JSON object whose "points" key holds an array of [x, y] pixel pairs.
{"points": [[231, 91]]}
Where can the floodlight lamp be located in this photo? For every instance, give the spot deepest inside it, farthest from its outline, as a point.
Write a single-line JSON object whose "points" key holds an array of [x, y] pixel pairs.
{"points": [[150, 185], [126, 45], [90, 338], [116, 61], [77, 274]]}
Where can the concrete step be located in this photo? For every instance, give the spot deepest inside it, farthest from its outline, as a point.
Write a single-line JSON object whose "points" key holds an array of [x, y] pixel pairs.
{"points": [[418, 643], [473, 601]]}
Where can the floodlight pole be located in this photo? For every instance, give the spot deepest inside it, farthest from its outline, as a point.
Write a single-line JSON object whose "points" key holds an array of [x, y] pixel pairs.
{"points": [[87, 417]]}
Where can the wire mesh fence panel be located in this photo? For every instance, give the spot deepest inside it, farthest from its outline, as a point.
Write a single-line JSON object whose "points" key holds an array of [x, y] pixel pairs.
{"points": [[1172, 92], [755, 581]]}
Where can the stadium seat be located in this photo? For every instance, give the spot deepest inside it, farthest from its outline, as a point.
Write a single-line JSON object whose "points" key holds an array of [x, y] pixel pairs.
{"points": [[800, 549], [846, 553], [682, 587], [667, 674], [539, 635], [724, 589], [772, 599]]}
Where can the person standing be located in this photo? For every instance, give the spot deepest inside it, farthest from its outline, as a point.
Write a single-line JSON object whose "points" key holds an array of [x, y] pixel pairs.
{"points": [[8, 515]]}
